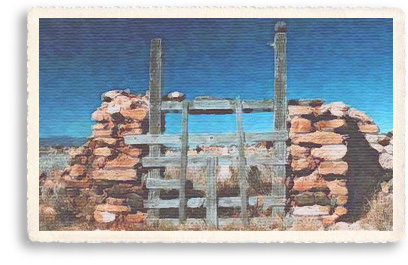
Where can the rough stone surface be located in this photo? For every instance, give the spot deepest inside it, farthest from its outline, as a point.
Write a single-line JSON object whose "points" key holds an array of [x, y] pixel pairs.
{"points": [[318, 138], [119, 175], [368, 128], [112, 208], [330, 125], [104, 217], [77, 170], [299, 151], [386, 160], [300, 125], [300, 110], [338, 109], [337, 187], [330, 152], [309, 182], [336, 168], [303, 164]]}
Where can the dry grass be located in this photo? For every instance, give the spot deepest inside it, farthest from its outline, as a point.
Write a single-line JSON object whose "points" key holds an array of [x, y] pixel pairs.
{"points": [[380, 212], [307, 224]]}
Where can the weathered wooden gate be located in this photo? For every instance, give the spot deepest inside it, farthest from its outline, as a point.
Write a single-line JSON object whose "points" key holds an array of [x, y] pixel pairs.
{"points": [[155, 139]]}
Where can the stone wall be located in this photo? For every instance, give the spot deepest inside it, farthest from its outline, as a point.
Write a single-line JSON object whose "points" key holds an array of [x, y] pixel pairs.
{"points": [[106, 164], [337, 158]]}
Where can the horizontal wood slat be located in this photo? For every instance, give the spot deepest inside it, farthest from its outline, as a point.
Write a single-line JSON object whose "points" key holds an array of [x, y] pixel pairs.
{"points": [[200, 161], [223, 202], [206, 139], [208, 105]]}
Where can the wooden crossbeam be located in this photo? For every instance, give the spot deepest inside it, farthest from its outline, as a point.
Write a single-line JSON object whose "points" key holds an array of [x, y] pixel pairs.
{"points": [[201, 160], [218, 106], [206, 139], [223, 202]]}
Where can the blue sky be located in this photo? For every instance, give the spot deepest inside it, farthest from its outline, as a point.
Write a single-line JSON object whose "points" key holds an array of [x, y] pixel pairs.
{"points": [[347, 60]]}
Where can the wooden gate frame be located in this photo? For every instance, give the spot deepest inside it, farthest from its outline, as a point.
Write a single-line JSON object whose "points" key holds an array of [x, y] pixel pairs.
{"points": [[155, 139]]}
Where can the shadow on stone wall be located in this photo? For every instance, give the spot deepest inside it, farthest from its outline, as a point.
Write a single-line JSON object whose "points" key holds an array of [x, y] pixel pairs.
{"points": [[364, 173]]}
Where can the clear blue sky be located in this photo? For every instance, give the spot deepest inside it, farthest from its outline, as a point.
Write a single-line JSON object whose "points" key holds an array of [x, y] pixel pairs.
{"points": [[347, 60]]}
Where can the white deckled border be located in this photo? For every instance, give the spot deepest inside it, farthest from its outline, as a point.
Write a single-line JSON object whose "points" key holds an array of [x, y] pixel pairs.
{"points": [[212, 236]]}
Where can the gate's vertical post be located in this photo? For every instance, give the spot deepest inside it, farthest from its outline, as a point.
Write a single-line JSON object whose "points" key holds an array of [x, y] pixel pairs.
{"points": [[241, 164], [155, 116], [211, 200], [278, 187], [183, 169]]}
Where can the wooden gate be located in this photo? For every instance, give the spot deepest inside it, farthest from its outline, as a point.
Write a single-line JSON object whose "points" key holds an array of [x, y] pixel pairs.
{"points": [[156, 139]]}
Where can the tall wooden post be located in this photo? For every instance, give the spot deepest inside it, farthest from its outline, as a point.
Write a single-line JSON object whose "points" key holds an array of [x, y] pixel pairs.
{"points": [[242, 165], [155, 117], [184, 158], [278, 187], [211, 196]]}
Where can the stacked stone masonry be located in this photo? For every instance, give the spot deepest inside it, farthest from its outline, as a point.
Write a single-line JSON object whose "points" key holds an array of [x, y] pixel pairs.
{"points": [[319, 136]]}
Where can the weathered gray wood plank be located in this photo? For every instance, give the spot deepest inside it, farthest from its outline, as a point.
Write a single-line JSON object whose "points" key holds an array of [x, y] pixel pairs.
{"points": [[168, 184], [279, 189], [218, 104], [205, 139], [241, 164], [155, 126], [223, 202], [183, 167], [211, 196], [201, 160]]}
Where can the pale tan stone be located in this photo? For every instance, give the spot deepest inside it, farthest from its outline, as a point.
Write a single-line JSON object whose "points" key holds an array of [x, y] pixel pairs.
{"points": [[102, 151], [330, 125], [360, 116], [318, 138], [337, 187], [104, 217], [135, 114], [300, 110], [122, 161], [299, 151], [303, 164], [340, 210], [337, 168], [330, 152], [77, 171], [368, 128], [300, 125], [119, 175], [309, 182], [112, 208]]}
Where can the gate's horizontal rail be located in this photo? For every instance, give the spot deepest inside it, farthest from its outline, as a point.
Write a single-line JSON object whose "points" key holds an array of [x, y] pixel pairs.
{"points": [[223, 202], [218, 106], [222, 222], [206, 139], [200, 161]]}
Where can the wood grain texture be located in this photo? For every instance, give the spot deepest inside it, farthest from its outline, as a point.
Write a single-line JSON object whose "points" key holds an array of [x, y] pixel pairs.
{"points": [[183, 169], [211, 200]]}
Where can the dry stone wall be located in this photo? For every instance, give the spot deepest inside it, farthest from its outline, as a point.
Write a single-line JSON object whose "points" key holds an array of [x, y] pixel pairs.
{"points": [[337, 157]]}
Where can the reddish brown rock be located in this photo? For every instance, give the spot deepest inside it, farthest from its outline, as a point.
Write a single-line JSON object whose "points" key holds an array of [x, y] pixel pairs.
{"points": [[114, 201], [122, 161], [119, 175], [101, 133], [340, 210], [338, 109], [73, 183], [102, 151], [129, 129], [112, 208], [329, 220], [360, 116], [303, 164], [77, 171], [337, 168], [300, 110], [139, 217], [299, 151], [341, 200], [131, 151], [104, 217], [337, 187], [330, 125], [135, 114], [368, 128], [330, 152], [300, 125], [103, 126], [318, 138], [107, 141], [309, 182], [99, 162], [101, 115]]}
